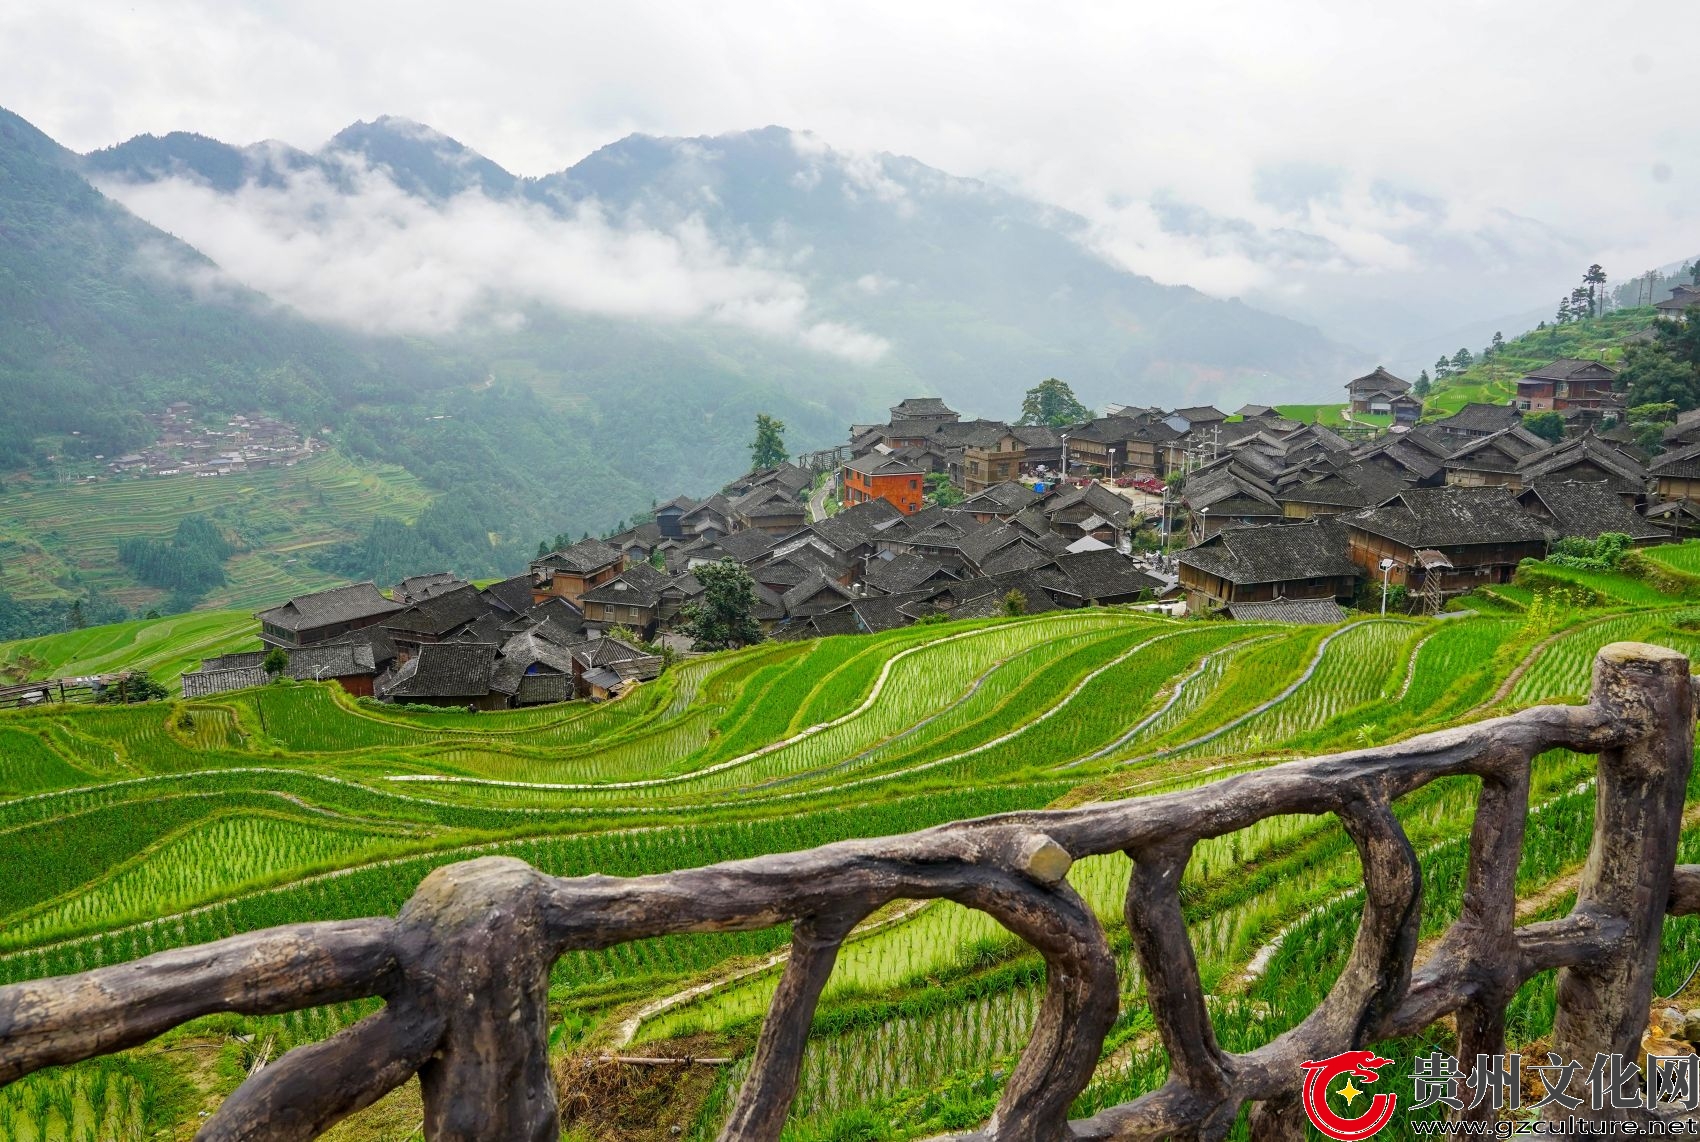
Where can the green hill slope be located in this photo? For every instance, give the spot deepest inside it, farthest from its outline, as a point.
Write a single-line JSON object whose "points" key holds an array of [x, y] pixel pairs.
{"points": [[1493, 380], [62, 539], [165, 647]]}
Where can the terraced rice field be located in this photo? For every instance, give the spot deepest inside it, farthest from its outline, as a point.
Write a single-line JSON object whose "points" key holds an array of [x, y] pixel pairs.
{"points": [[132, 830], [49, 532], [166, 647]]}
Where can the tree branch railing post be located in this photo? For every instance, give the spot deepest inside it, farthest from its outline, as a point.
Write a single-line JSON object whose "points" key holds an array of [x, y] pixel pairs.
{"points": [[464, 968]]}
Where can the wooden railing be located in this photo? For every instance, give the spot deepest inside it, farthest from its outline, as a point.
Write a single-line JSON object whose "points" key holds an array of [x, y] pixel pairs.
{"points": [[464, 968]]}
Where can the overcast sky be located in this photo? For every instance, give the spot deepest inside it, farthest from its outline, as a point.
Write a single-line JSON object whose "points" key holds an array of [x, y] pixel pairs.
{"points": [[1335, 160]]}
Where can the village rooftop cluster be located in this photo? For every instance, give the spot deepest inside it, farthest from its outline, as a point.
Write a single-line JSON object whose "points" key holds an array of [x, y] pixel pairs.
{"points": [[1282, 521]]}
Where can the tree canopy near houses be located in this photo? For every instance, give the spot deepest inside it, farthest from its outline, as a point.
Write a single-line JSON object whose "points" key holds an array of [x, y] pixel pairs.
{"points": [[1052, 402], [725, 616], [767, 450], [1547, 425], [1665, 370]]}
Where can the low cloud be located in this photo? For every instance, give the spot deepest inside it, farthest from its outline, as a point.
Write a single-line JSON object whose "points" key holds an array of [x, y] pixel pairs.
{"points": [[369, 256]]}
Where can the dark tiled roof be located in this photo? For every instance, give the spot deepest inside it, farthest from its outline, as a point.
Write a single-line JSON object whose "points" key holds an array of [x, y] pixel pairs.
{"points": [[439, 615], [202, 683], [639, 585], [1202, 413], [442, 670], [1009, 496], [1587, 451], [1564, 368], [920, 406], [1325, 611], [332, 660], [855, 526], [583, 556], [1379, 381], [1587, 510], [375, 640], [880, 464], [747, 545], [238, 661], [815, 595], [1106, 574], [511, 595], [903, 573], [1449, 517], [1476, 417], [541, 689], [878, 613], [1684, 463], [415, 588], [328, 608], [1020, 556], [1501, 452], [1273, 554], [1037, 435]]}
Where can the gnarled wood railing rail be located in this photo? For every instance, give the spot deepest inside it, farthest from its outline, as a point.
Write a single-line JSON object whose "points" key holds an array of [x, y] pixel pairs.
{"points": [[464, 967]]}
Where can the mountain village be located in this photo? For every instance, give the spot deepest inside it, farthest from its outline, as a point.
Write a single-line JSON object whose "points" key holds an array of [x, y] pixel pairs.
{"points": [[930, 516]]}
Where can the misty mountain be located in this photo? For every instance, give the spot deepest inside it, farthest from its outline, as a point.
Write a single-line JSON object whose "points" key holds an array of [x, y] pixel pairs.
{"points": [[967, 289], [104, 317]]}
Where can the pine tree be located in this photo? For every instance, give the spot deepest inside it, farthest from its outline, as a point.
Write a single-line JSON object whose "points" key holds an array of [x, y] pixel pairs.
{"points": [[1423, 385]]}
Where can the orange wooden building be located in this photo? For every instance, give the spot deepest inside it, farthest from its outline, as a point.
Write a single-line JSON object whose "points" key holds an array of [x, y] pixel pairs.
{"points": [[878, 476]]}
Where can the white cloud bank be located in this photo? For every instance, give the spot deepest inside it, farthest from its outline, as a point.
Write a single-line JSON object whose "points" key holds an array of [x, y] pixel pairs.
{"points": [[380, 260]]}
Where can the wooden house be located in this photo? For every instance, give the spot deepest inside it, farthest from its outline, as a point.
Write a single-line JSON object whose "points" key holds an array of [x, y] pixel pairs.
{"points": [[569, 573], [444, 674], [669, 516], [1261, 564], [325, 615], [1375, 391], [1676, 475], [1493, 460], [631, 599], [1676, 306], [1445, 541], [1564, 384], [351, 665], [991, 457], [1586, 511]]}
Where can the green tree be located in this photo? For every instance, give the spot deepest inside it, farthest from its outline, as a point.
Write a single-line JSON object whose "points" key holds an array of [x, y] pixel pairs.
{"points": [[725, 617], [1442, 369], [1052, 402], [1655, 375], [1594, 283], [767, 450], [134, 686], [941, 491], [276, 661], [1498, 344], [1423, 385], [1649, 421], [1546, 425], [1462, 360], [1014, 603]]}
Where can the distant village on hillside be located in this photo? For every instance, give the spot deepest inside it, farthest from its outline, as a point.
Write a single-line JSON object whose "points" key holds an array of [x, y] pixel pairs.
{"points": [[929, 516]]}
